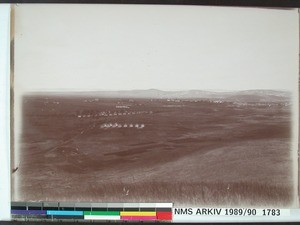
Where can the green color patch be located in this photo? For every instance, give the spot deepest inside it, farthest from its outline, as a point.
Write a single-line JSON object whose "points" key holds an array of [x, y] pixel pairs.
{"points": [[101, 213]]}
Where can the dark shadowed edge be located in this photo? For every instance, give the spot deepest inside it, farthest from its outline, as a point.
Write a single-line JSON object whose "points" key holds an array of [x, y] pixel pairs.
{"points": [[276, 4], [245, 3], [131, 223], [120, 223], [12, 46]]}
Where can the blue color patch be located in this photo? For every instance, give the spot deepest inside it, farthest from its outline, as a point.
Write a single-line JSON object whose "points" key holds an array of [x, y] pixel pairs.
{"points": [[28, 212]]}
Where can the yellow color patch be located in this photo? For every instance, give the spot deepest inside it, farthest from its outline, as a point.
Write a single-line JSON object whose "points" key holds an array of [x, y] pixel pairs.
{"points": [[137, 213]]}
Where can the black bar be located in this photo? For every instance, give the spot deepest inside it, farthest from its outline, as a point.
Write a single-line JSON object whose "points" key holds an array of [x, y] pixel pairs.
{"points": [[147, 209], [34, 208], [163, 209], [67, 208], [83, 209], [245, 3], [131, 209], [34, 205], [18, 207], [50, 208], [99, 209], [50, 205], [114, 209]]}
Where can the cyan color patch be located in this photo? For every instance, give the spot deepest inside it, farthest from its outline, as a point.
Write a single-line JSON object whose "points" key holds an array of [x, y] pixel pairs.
{"points": [[64, 213]]}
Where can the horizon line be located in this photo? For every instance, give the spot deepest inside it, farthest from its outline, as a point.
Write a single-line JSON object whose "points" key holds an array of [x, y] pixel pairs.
{"points": [[155, 89]]}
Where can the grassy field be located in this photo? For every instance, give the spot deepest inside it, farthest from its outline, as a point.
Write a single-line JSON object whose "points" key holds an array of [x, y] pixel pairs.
{"points": [[190, 152]]}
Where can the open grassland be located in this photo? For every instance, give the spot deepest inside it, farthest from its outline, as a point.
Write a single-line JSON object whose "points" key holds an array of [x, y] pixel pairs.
{"points": [[190, 152], [184, 194]]}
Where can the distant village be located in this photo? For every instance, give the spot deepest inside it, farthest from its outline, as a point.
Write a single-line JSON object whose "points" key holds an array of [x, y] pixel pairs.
{"points": [[123, 107]]}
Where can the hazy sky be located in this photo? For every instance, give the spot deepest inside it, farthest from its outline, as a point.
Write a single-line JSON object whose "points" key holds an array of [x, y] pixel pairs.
{"points": [[113, 47]]}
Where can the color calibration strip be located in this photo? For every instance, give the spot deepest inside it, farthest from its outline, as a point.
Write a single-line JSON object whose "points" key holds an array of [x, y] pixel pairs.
{"points": [[91, 211]]}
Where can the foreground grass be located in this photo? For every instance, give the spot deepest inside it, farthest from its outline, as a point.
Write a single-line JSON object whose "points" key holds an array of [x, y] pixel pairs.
{"points": [[202, 194], [242, 194]]}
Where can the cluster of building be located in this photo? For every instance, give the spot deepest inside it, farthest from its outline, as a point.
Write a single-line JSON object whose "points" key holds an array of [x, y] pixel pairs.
{"points": [[51, 102], [91, 100], [108, 113], [119, 125], [265, 104]]}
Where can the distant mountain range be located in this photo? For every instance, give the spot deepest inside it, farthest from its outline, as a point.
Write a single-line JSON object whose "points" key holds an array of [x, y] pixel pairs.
{"points": [[233, 96]]}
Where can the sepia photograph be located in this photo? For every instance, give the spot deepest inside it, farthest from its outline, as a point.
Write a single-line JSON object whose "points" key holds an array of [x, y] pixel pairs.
{"points": [[193, 105]]}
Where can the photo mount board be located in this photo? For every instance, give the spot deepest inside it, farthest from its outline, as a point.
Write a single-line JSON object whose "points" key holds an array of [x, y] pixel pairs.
{"points": [[102, 124]]}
